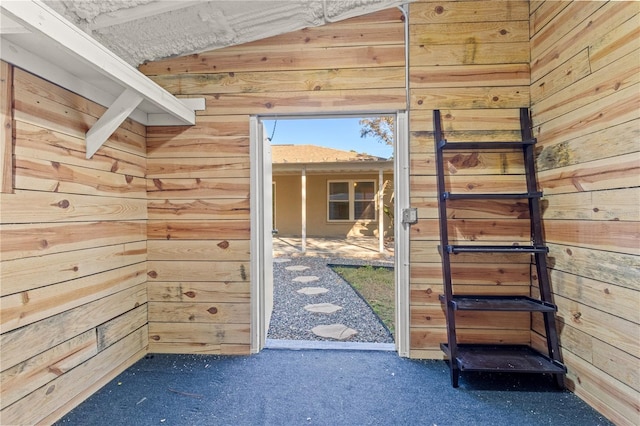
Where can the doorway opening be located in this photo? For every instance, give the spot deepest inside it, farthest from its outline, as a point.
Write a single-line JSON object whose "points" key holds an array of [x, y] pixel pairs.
{"points": [[332, 197]]}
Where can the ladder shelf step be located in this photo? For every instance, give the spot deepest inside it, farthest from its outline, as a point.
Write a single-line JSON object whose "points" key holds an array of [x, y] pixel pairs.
{"points": [[494, 196], [504, 358], [454, 249], [444, 144], [499, 303]]}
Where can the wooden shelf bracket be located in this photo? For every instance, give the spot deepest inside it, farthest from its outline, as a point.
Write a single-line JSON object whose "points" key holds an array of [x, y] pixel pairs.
{"points": [[111, 120]]}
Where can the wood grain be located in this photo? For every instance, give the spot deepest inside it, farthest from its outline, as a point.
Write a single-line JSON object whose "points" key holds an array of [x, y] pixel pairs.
{"points": [[463, 12], [26, 274], [26, 307], [25, 342], [6, 127]]}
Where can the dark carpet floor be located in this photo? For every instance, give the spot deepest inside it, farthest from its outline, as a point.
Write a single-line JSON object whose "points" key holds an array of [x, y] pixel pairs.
{"points": [[323, 387]]}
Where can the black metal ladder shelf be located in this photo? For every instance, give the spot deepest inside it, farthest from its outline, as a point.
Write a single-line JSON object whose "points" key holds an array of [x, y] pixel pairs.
{"points": [[497, 357]]}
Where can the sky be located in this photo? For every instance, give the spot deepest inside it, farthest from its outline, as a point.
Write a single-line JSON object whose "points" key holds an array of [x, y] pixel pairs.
{"points": [[338, 133]]}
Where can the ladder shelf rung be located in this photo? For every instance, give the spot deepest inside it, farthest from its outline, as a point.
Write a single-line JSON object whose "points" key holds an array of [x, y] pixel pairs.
{"points": [[444, 144], [454, 249], [503, 359], [494, 196], [499, 303]]}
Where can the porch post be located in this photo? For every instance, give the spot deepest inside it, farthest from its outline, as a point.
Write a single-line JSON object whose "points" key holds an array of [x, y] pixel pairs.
{"points": [[304, 209], [381, 210]]}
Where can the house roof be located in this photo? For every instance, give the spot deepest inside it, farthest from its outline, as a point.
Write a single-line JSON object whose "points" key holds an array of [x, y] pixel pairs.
{"points": [[283, 154], [292, 159]]}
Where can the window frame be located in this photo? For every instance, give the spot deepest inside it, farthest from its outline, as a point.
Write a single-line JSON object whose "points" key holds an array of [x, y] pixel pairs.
{"points": [[352, 200]]}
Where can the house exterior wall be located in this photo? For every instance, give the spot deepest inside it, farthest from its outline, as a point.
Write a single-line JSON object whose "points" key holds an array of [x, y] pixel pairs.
{"points": [[73, 243], [198, 177], [586, 113], [289, 204]]}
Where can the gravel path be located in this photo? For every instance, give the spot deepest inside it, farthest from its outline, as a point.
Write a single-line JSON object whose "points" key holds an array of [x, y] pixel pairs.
{"points": [[291, 321]]}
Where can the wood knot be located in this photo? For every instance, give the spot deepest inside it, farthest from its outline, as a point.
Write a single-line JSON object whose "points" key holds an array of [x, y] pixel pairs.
{"points": [[268, 105], [128, 178], [190, 294], [51, 389], [155, 337], [152, 274], [243, 273], [63, 204], [428, 291], [503, 32], [607, 291], [439, 10], [576, 316], [569, 252], [223, 244], [212, 310], [114, 167], [420, 102], [157, 183]]}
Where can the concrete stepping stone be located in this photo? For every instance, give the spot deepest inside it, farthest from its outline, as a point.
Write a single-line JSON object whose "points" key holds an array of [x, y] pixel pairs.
{"points": [[334, 331], [298, 268], [323, 308], [281, 260], [312, 291], [306, 279]]}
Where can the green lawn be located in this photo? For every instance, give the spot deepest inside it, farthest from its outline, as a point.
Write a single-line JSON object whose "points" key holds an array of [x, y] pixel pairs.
{"points": [[377, 287]]}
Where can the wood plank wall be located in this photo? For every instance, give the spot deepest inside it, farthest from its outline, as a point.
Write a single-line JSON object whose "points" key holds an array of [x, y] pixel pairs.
{"points": [[470, 59], [73, 297], [585, 73], [198, 178]]}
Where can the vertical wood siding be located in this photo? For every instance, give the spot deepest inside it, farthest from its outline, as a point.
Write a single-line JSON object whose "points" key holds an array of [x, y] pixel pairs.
{"points": [[73, 300], [469, 59], [585, 78], [198, 177]]}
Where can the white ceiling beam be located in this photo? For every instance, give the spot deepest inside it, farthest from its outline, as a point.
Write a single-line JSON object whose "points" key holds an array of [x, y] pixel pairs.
{"points": [[9, 26], [196, 104], [29, 61], [36, 17], [111, 120]]}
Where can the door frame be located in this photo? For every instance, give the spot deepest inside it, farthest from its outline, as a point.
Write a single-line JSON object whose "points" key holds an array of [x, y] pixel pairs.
{"points": [[259, 308]]}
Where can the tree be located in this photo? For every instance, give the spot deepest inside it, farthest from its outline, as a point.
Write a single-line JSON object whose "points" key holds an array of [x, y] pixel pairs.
{"points": [[381, 128]]}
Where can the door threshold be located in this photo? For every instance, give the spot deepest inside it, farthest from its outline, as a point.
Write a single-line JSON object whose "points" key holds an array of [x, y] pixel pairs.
{"points": [[328, 345]]}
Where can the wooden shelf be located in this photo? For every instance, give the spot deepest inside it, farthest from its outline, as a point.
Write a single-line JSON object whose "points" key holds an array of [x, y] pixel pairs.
{"points": [[499, 303], [495, 196], [503, 358], [443, 144], [496, 249]]}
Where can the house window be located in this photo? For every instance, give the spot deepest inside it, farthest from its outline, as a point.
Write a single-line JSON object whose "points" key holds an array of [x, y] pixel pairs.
{"points": [[351, 200]]}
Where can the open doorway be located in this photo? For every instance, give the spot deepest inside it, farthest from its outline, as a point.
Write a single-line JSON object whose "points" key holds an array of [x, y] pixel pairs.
{"points": [[332, 203]]}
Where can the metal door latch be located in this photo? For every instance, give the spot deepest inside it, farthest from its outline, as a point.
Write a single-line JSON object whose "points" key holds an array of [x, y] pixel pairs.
{"points": [[410, 215]]}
